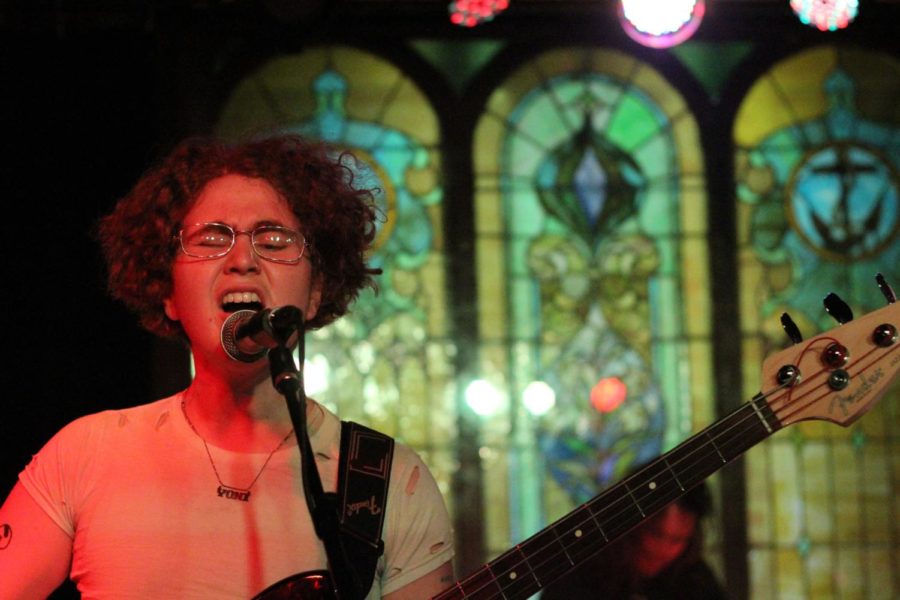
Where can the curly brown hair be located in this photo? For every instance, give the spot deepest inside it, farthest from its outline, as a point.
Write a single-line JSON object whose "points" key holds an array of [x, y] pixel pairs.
{"points": [[338, 221]]}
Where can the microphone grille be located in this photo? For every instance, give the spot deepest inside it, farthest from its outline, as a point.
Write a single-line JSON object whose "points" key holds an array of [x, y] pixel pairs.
{"points": [[229, 342]]}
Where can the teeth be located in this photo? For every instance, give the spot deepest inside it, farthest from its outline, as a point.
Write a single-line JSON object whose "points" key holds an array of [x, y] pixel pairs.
{"points": [[240, 298]]}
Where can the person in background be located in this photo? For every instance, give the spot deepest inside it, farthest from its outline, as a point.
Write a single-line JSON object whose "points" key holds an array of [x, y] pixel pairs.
{"points": [[199, 495], [661, 559]]}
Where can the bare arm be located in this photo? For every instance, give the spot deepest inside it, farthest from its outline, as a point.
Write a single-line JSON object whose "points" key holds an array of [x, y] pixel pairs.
{"points": [[34, 552], [426, 586]]}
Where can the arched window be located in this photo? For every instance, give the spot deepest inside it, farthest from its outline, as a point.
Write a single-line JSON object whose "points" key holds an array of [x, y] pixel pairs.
{"points": [[388, 362], [818, 158], [593, 278]]}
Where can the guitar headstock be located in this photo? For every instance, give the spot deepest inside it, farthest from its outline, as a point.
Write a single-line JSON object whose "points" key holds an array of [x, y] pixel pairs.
{"points": [[839, 375]]}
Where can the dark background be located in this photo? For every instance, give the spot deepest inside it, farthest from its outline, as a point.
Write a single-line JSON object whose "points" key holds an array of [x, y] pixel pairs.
{"points": [[78, 130]]}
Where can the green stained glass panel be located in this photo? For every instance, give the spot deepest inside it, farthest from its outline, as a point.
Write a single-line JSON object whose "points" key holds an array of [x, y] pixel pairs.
{"points": [[634, 123], [593, 283], [370, 364], [656, 154], [657, 218], [530, 218]]}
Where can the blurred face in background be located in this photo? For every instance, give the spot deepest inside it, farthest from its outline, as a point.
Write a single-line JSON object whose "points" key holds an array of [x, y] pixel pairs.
{"points": [[663, 539]]}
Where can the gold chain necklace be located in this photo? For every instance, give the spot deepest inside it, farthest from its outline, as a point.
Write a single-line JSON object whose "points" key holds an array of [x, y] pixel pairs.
{"points": [[228, 491]]}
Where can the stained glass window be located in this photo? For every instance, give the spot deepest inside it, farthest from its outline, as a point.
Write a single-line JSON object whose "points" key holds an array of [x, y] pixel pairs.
{"points": [[592, 274], [818, 157], [387, 363]]}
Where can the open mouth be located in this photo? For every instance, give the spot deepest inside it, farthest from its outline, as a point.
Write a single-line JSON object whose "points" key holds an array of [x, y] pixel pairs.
{"points": [[235, 301]]}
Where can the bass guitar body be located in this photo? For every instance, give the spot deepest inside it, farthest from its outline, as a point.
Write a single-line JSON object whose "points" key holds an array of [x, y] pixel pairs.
{"points": [[310, 585]]}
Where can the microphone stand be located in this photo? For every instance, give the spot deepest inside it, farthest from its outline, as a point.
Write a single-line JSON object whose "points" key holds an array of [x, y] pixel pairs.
{"points": [[288, 380]]}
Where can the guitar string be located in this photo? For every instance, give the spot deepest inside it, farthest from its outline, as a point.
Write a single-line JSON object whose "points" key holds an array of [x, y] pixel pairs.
{"points": [[751, 415], [495, 579], [553, 557], [652, 506], [600, 543]]}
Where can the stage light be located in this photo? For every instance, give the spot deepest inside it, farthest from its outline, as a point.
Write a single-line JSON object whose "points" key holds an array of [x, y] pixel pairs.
{"points": [[608, 394], [538, 398], [316, 372], [826, 15], [483, 398], [661, 23], [469, 13]]}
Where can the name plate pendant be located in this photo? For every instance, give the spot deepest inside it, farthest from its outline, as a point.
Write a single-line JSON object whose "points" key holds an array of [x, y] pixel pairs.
{"points": [[231, 493]]}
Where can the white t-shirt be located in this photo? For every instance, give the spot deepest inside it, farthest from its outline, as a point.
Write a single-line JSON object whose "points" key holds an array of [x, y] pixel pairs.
{"points": [[136, 492]]}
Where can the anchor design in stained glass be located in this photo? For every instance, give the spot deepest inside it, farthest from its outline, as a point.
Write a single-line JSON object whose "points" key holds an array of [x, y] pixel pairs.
{"points": [[843, 201], [831, 204]]}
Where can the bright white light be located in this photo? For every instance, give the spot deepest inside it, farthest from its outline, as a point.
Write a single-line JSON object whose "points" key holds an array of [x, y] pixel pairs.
{"points": [[658, 18], [538, 398], [315, 374], [483, 398], [661, 23]]}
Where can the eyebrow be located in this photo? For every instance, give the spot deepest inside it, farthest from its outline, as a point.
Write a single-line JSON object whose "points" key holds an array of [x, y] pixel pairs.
{"points": [[266, 223], [261, 223]]}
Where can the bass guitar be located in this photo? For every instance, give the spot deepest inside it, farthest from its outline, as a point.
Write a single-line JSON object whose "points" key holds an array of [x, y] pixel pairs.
{"points": [[836, 376]]}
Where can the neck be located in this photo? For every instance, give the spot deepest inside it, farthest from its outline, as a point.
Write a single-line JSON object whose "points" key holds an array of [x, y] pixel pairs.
{"points": [[249, 415]]}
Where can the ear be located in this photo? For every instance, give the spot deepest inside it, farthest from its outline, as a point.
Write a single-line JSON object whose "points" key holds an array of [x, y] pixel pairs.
{"points": [[315, 299], [169, 308]]}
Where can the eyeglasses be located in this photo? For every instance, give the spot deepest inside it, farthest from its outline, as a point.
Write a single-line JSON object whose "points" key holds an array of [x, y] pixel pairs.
{"points": [[270, 242]]}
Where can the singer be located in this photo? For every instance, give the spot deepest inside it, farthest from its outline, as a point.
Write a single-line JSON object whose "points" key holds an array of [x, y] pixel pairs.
{"points": [[199, 495]]}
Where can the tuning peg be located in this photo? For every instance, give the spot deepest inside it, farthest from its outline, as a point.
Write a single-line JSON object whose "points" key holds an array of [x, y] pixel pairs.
{"points": [[885, 288], [793, 332], [837, 308]]}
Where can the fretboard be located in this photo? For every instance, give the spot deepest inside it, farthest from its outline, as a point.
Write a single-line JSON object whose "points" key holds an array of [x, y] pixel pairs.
{"points": [[548, 555]]}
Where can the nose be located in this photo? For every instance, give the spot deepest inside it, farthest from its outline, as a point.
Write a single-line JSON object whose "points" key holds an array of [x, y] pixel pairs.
{"points": [[242, 258]]}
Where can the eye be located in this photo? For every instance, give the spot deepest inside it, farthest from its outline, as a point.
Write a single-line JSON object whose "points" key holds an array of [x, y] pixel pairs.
{"points": [[209, 236], [274, 238]]}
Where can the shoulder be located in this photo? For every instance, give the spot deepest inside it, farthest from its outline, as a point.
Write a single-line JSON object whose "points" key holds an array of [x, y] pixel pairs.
{"points": [[409, 466], [94, 430], [77, 460], [418, 533], [701, 577], [415, 499], [697, 577], [101, 424]]}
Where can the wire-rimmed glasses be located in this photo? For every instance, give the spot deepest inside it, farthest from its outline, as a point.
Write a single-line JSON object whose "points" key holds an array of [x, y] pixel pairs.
{"points": [[270, 242]]}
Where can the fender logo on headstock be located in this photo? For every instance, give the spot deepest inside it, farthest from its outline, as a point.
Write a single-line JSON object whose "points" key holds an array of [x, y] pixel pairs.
{"points": [[845, 400]]}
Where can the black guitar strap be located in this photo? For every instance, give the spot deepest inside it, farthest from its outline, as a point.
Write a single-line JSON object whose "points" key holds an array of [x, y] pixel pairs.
{"points": [[364, 472], [348, 521]]}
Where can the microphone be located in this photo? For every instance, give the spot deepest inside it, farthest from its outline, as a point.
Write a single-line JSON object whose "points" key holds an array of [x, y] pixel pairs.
{"points": [[248, 334]]}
